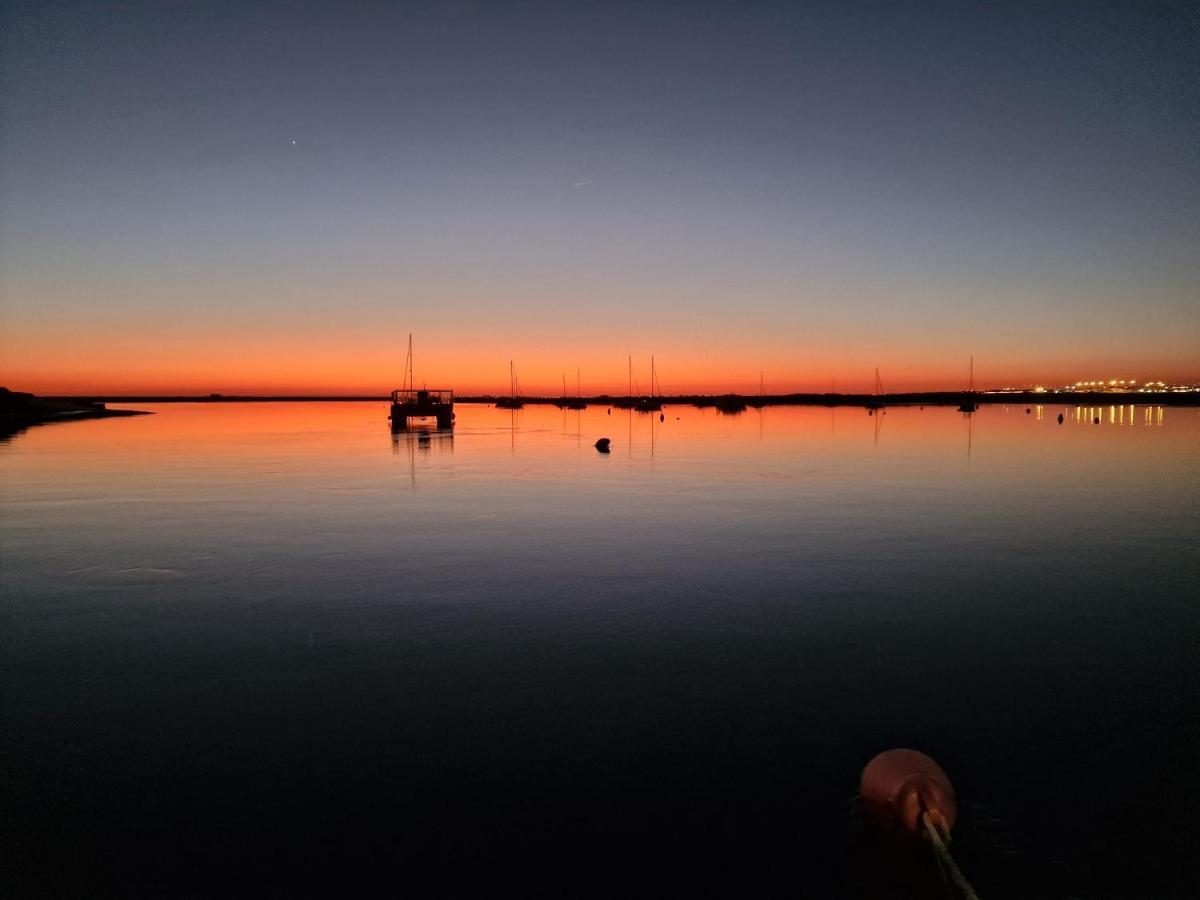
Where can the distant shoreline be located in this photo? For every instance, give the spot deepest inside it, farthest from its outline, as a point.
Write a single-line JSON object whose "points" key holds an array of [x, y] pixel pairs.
{"points": [[921, 398], [19, 411]]}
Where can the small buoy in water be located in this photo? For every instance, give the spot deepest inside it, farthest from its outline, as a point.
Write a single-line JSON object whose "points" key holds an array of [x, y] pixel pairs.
{"points": [[898, 785], [602, 445], [1096, 421], [1060, 419], [1027, 410], [662, 417], [610, 410]]}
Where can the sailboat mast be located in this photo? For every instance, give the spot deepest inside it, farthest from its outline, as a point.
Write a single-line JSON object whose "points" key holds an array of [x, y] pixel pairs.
{"points": [[630, 374], [577, 391], [971, 386], [408, 367]]}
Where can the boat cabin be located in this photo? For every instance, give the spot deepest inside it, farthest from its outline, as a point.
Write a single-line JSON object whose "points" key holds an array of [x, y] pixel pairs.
{"points": [[424, 404]]}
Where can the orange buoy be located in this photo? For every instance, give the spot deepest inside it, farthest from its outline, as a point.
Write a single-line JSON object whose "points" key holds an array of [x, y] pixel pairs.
{"points": [[898, 785]]}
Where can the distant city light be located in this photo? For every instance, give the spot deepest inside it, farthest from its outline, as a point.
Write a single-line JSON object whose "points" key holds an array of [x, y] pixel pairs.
{"points": [[1109, 386]]}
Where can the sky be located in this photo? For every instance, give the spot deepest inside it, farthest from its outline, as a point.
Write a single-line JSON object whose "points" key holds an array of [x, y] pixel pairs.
{"points": [[270, 197]]}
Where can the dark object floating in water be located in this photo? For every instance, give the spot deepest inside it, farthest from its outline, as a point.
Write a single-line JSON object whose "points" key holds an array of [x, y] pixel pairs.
{"points": [[1060, 418], [602, 445], [730, 404], [1028, 410], [968, 406], [610, 410], [1096, 421], [662, 417], [897, 786], [909, 795]]}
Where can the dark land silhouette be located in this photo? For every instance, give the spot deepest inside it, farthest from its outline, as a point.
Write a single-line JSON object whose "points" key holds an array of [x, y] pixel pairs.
{"points": [[20, 410], [867, 401]]}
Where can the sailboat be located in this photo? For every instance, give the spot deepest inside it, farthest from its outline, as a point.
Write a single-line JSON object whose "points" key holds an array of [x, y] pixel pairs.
{"points": [[628, 401], [575, 402], [968, 404], [651, 403], [410, 402], [876, 401], [561, 402], [510, 402]]}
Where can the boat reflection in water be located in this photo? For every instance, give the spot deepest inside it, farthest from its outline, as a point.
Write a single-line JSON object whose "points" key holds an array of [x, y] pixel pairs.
{"points": [[420, 442]]}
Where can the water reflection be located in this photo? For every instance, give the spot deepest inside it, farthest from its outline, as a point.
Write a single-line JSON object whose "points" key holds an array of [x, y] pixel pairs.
{"points": [[265, 594], [304, 437], [688, 432], [1125, 414], [421, 442], [573, 419]]}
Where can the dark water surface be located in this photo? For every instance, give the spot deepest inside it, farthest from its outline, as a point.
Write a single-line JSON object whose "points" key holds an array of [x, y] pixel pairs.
{"points": [[266, 649]]}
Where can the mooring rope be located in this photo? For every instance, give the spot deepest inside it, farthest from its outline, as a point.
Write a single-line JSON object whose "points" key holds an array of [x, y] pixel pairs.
{"points": [[944, 857]]}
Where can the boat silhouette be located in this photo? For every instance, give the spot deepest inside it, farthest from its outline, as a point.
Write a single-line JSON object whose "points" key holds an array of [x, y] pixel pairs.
{"points": [[628, 401], [651, 403], [512, 401], [410, 402], [876, 402], [566, 402], [969, 405]]}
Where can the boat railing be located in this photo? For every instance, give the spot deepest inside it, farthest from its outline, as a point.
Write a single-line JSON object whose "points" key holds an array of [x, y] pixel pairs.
{"points": [[423, 396]]}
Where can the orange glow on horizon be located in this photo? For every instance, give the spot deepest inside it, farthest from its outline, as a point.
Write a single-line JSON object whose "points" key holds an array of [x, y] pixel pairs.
{"points": [[144, 363]]}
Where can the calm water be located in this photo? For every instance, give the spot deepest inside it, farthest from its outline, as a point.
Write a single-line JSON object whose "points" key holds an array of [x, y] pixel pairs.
{"points": [[269, 649]]}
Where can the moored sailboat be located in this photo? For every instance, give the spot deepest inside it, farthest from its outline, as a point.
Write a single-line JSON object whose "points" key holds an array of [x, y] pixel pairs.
{"points": [[876, 401], [628, 401], [651, 403], [422, 404], [512, 401], [566, 402], [969, 404]]}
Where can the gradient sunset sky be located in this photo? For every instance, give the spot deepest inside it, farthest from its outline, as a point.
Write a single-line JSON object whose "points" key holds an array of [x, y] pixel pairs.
{"points": [[268, 197]]}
